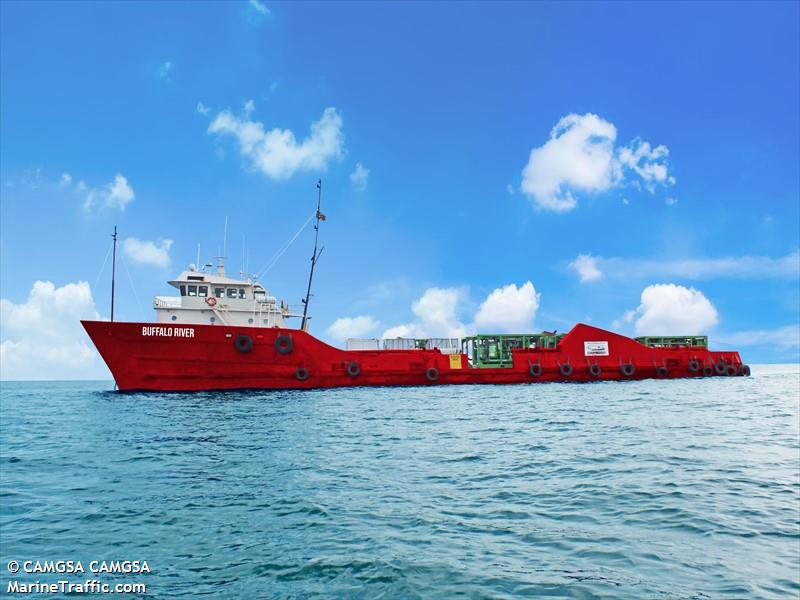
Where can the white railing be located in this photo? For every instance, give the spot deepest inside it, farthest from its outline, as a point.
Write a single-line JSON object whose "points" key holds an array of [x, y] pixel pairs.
{"points": [[167, 302]]}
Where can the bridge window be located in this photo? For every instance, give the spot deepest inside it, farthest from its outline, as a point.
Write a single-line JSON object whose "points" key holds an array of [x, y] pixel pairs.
{"points": [[241, 293], [183, 290], [231, 292], [203, 291], [219, 292], [193, 290]]}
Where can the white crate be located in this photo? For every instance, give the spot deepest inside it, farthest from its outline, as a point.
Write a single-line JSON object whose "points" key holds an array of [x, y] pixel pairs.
{"points": [[363, 344]]}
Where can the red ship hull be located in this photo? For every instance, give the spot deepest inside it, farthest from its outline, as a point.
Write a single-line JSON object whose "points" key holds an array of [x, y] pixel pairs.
{"points": [[162, 357]]}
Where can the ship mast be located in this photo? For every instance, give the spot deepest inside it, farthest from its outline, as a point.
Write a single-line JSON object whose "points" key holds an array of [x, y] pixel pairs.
{"points": [[314, 257], [113, 271]]}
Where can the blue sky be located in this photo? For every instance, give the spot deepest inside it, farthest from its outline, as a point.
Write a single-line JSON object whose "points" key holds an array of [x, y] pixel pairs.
{"points": [[637, 163]]}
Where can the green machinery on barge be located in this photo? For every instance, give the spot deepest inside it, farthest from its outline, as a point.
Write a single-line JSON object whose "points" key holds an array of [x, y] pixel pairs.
{"points": [[494, 350]]}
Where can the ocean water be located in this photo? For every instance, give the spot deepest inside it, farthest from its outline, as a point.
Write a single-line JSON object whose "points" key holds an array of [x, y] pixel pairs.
{"points": [[652, 489]]}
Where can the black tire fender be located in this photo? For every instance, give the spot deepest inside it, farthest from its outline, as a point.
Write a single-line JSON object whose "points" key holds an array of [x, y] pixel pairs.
{"points": [[353, 369], [627, 369], [694, 365], [432, 374], [721, 368], [744, 370], [301, 373], [535, 369], [595, 370], [662, 371], [243, 343], [284, 344], [708, 371], [565, 369]]}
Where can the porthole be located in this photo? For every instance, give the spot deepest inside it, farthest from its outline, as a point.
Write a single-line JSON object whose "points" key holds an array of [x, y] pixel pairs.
{"points": [[250, 321], [174, 317], [212, 319]]}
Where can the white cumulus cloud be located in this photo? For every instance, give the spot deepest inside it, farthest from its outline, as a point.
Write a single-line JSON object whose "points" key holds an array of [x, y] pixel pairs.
{"points": [[66, 179], [360, 177], [146, 252], [509, 308], [669, 309], [352, 327], [437, 312], [650, 164], [581, 156], [43, 337], [277, 153], [586, 267], [202, 108], [116, 194]]}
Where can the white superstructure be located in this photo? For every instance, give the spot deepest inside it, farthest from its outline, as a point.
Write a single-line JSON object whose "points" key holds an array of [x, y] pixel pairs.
{"points": [[215, 299]]}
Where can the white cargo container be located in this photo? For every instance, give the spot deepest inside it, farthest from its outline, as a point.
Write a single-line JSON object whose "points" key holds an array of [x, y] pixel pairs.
{"points": [[445, 345], [363, 344], [400, 344]]}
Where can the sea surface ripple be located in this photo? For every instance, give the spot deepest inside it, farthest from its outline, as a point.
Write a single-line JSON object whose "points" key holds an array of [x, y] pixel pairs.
{"points": [[651, 489]]}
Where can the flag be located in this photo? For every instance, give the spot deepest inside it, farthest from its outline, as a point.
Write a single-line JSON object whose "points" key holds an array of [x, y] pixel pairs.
{"points": [[320, 216]]}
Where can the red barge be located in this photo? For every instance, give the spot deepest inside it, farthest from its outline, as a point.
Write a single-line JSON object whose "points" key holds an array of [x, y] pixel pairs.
{"points": [[142, 356], [223, 333]]}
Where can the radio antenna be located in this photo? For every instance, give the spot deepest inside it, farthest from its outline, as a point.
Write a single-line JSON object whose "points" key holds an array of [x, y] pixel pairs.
{"points": [[113, 270], [314, 257]]}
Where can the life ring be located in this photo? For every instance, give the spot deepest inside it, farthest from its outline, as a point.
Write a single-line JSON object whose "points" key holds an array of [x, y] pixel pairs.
{"points": [[211, 301], [662, 371], [595, 370], [565, 369], [731, 371], [694, 365], [353, 369], [432, 374], [708, 371], [283, 344], [243, 343], [721, 368], [301, 373], [627, 369], [744, 370], [535, 369]]}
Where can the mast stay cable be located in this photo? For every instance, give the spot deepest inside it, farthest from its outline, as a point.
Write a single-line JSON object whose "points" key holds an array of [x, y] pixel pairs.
{"points": [[282, 250], [103, 268], [133, 287]]}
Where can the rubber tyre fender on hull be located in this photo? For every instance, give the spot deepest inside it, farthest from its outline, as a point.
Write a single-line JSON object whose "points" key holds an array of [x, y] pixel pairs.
{"points": [[595, 370], [708, 371], [694, 365], [534, 369], [284, 344], [301, 373], [353, 369], [243, 343], [628, 369], [565, 369], [744, 370], [662, 371], [731, 371], [721, 368], [432, 374]]}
